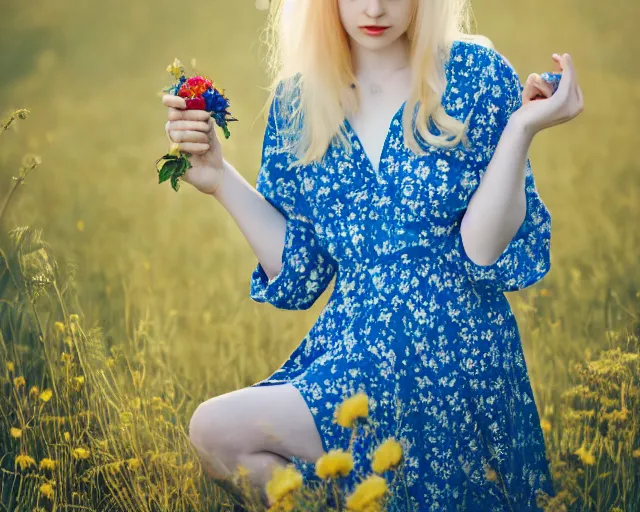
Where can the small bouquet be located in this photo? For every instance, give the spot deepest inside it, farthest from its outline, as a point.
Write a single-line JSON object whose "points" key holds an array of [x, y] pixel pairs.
{"points": [[199, 94]]}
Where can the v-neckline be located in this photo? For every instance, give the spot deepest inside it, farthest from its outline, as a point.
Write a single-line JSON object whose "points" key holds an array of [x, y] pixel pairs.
{"points": [[366, 157]]}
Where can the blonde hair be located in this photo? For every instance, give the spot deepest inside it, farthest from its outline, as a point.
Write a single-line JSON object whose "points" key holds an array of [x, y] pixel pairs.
{"points": [[312, 45]]}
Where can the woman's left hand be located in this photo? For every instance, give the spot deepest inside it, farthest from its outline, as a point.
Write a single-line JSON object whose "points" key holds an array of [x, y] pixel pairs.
{"points": [[541, 108]]}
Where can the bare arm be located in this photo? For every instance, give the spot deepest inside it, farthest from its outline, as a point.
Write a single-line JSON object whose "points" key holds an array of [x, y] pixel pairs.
{"points": [[261, 224], [498, 207]]}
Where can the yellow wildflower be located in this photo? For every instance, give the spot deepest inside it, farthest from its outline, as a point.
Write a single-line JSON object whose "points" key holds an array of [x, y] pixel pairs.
{"points": [[34, 391], [73, 317], [46, 395], [635, 453], [15, 432], [134, 463], [545, 425], [19, 381], [67, 436], [335, 462], [80, 225], [47, 490], [113, 467], [66, 358], [586, 457], [59, 326], [366, 493], [24, 461], [110, 362], [386, 456], [80, 453], [47, 463], [78, 382], [351, 409], [176, 68], [10, 366], [283, 481]]}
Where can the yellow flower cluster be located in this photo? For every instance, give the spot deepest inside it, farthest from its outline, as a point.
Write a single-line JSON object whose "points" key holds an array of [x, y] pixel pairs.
{"points": [[134, 463], [46, 490], [351, 409], [46, 395], [24, 461], [47, 463], [176, 68], [367, 493], [80, 453], [335, 462], [387, 456], [284, 481], [585, 456]]}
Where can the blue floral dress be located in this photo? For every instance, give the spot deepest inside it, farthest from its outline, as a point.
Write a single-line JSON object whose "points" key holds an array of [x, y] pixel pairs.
{"points": [[412, 321]]}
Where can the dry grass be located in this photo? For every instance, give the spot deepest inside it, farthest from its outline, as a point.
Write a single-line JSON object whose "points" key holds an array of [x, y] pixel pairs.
{"points": [[159, 280]]}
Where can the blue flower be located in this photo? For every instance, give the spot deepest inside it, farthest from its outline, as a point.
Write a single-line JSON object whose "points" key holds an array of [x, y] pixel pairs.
{"points": [[215, 101]]}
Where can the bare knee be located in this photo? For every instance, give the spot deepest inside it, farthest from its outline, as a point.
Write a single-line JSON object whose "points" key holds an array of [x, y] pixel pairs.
{"points": [[212, 437]]}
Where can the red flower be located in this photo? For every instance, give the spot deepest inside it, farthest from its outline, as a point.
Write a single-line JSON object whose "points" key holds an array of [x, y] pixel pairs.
{"points": [[196, 103], [194, 86]]}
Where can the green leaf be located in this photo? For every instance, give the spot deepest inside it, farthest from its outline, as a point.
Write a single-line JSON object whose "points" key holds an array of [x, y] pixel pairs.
{"points": [[175, 183], [167, 170]]}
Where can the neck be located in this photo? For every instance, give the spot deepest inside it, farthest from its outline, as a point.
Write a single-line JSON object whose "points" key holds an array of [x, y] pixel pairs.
{"points": [[374, 64]]}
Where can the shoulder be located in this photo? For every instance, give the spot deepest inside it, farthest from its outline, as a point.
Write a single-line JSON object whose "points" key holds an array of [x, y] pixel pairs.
{"points": [[486, 71]]}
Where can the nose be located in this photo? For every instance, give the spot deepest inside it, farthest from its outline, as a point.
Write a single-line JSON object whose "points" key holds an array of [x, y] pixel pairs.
{"points": [[375, 9]]}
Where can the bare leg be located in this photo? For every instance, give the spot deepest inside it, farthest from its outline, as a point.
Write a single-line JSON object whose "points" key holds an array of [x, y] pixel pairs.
{"points": [[261, 466], [258, 428]]}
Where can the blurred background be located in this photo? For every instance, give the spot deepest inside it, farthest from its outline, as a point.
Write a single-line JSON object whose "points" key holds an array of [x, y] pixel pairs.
{"points": [[166, 274]]}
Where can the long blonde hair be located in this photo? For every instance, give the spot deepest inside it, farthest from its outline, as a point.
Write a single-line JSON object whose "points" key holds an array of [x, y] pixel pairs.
{"points": [[313, 47]]}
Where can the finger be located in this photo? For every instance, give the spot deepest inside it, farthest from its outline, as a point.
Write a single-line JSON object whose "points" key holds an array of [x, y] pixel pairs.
{"points": [[189, 136], [536, 87], [182, 124], [194, 115], [175, 114], [193, 147], [566, 82], [169, 100], [543, 86], [558, 61], [188, 115]]}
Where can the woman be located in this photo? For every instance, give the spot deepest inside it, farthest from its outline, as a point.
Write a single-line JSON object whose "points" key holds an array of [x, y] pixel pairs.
{"points": [[424, 220]]}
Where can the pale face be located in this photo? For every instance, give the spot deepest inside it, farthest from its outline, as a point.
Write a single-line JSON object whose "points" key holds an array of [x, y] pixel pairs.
{"points": [[357, 14]]}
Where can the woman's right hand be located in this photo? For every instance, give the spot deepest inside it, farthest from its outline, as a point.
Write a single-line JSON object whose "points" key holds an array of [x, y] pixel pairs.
{"points": [[193, 132]]}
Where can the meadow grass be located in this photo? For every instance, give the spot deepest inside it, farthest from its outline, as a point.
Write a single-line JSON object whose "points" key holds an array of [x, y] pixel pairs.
{"points": [[95, 406]]}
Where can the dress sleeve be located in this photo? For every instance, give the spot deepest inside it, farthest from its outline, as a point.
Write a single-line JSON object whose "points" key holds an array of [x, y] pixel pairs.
{"points": [[307, 268], [527, 257]]}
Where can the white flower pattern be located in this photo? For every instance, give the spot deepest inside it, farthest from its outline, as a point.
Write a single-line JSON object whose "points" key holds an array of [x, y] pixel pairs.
{"points": [[412, 320]]}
